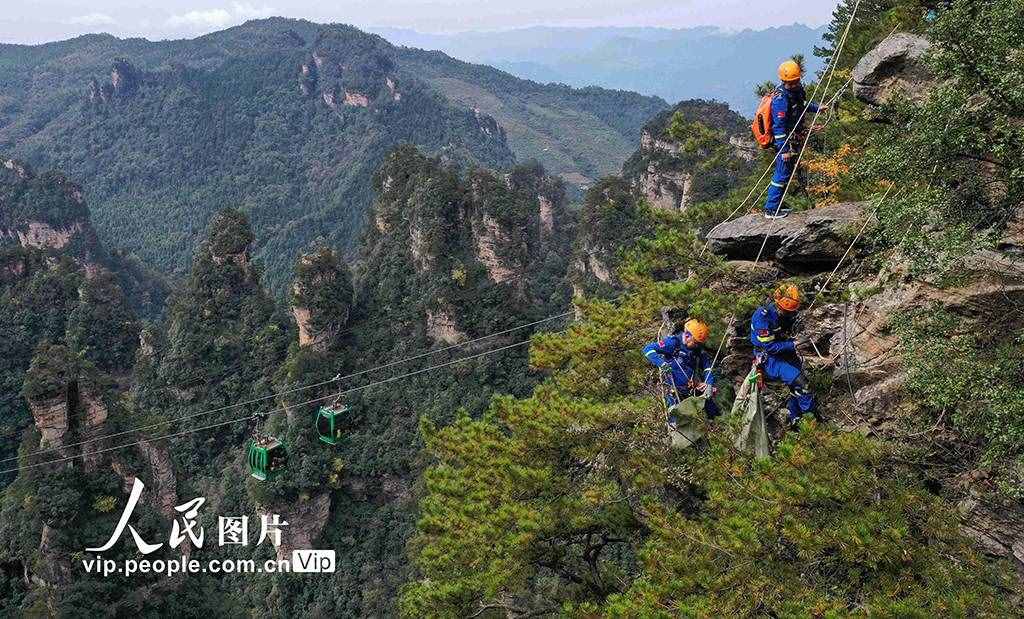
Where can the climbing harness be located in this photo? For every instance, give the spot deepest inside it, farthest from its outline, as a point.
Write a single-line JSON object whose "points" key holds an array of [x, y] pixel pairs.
{"points": [[684, 418]]}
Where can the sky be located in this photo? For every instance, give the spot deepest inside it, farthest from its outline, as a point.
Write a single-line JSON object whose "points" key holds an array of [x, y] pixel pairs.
{"points": [[38, 21]]}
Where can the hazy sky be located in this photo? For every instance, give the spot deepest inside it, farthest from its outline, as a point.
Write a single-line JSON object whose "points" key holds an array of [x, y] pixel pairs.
{"points": [[34, 21]]}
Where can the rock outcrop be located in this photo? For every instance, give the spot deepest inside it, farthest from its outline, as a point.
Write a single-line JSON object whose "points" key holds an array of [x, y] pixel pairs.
{"points": [[45, 212], [666, 189], [308, 78], [53, 569], [306, 520], [441, 326], [805, 241], [356, 99], [124, 81], [51, 419], [123, 77], [870, 355], [41, 235], [163, 494], [490, 238], [896, 65], [321, 298], [668, 173], [546, 212]]}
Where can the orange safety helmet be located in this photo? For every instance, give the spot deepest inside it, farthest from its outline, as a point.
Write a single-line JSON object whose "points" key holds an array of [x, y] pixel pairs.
{"points": [[787, 298], [697, 329], [789, 71]]}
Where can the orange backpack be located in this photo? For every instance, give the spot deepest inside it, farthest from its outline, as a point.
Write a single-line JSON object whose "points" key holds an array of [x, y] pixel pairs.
{"points": [[762, 126]]}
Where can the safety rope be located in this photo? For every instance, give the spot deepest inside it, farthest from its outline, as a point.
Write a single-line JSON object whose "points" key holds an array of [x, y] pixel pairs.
{"points": [[849, 248], [768, 169], [831, 71]]}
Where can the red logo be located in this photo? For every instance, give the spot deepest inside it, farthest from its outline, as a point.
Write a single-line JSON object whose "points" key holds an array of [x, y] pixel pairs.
{"points": [[782, 114], [764, 332]]}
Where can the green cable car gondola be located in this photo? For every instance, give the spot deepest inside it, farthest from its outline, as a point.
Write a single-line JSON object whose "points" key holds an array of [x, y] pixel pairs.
{"points": [[328, 423], [267, 458]]}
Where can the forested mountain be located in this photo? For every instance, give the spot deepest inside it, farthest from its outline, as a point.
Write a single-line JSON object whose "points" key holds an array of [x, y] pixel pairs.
{"points": [[504, 450], [286, 119]]}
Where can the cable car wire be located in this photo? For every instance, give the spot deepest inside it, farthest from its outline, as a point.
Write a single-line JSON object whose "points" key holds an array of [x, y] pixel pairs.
{"points": [[339, 378], [266, 413]]}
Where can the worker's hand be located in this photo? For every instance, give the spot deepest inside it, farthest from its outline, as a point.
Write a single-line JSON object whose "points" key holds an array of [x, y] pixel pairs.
{"points": [[705, 390], [823, 108]]}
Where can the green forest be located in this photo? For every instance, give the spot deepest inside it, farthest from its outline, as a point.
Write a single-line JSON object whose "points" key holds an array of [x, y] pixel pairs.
{"points": [[163, 134], [503, 448]]}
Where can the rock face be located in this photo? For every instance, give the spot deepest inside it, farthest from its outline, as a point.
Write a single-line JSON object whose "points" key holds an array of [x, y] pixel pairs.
{"points": [[897, 64], [164, 493], [94, 412], [51, 419], [308, 78], [123, 77], [546, 212], [306, 520], [668, 173], [124, 81], [871, 356], [356, 99], [489, 239], [666, 190], [40, 235], [441, 326], [998, 530], [54, 564], [321, 298], [809, 240]]}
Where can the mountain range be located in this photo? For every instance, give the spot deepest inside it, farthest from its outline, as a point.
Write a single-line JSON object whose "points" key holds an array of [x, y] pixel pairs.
{"points": [[286, 120], [674, 64]]}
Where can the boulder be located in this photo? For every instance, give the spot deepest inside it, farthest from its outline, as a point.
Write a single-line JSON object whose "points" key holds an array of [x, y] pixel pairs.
{"points": [[811, 240], [897, 64]]}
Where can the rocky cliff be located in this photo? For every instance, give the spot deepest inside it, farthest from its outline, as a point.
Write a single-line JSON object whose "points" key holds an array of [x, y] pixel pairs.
{"points": [[45, 212], [866, 329], [441, 240], [693, 152]]}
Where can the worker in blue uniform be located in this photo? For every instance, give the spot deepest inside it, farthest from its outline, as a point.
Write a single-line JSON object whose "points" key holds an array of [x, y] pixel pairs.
{"points": [[775, 350], [686, 367], [788, 105]]}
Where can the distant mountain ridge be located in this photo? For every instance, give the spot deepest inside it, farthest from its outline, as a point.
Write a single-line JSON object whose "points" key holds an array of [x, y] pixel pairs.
{"points": [[674, 64]]}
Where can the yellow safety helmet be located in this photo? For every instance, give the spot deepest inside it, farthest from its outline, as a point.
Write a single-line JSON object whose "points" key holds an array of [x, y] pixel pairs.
{"points": [[787, 297], [697, 329], [789, 71]]}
